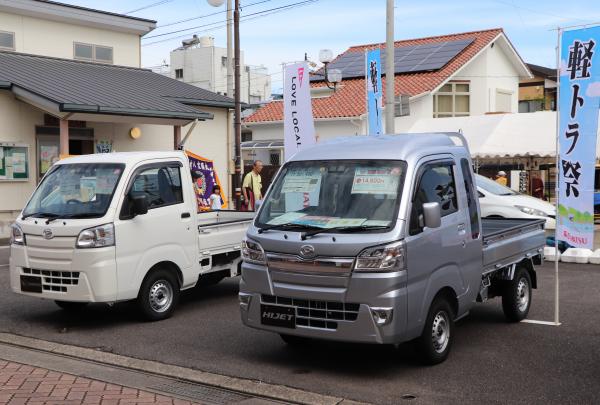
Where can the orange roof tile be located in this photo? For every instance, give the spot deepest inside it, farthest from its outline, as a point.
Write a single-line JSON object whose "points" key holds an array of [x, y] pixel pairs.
{"points": [[350, 99]]}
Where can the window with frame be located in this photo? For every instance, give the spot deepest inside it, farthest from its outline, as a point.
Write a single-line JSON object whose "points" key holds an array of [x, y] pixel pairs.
{"points": [[7, 41], [93, 53], [452, 100], [178, 73], [161, 185], [436, 184], [224, 61]]}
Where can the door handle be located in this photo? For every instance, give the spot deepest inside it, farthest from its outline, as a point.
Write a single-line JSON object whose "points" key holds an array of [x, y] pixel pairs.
{"points": [[462, 229], [185, 215], [205, 231]]}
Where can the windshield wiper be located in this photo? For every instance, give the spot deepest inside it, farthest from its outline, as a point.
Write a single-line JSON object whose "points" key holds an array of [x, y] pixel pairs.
{"points": [[288, 225], [343, 229], [41, 215], [83, 215]]}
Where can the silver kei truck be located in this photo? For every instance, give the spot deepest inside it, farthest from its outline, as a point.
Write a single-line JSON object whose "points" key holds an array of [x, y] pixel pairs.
{"points": [[380, 240]]}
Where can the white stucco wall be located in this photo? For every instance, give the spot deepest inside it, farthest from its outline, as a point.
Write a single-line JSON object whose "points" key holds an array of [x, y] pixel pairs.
{"points": [[489, 72], [324, 129], [51, 38]]}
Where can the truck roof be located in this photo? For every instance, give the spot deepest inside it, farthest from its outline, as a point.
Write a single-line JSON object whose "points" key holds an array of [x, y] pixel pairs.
{"points": [[388, 147], [122, 157]]}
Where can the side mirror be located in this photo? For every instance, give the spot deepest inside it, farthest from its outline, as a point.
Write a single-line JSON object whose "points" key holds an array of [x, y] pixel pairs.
{"points": [[432, 215], [140, 204]]}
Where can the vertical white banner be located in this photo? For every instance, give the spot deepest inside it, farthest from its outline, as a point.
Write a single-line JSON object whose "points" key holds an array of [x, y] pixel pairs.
{"points": [[298, 124]]}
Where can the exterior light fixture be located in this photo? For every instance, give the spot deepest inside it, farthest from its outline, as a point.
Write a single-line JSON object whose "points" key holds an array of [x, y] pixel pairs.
{"points": [[333, 77]]}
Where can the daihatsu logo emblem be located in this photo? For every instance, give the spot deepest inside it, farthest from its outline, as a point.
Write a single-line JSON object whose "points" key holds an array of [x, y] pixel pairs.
{"points": [[307, 251], [48, 234]]}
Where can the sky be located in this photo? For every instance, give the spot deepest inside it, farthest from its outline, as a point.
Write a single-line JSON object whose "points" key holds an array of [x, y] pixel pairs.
{"points": [[285, 35]]}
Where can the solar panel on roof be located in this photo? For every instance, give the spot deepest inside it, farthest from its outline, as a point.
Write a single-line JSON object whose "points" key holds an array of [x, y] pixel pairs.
{"points": [[407, 59]]}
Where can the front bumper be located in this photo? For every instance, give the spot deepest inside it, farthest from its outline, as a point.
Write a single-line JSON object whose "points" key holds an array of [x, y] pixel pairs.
{"points": [[89, 275], [320, 301]]}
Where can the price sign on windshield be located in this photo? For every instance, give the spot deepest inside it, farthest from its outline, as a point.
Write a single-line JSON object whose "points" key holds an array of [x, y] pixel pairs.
{"points": [[376, 180]]}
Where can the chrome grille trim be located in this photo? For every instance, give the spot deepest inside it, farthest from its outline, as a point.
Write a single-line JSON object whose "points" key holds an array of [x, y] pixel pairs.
{"points": [[319, 265], [315, 313]]}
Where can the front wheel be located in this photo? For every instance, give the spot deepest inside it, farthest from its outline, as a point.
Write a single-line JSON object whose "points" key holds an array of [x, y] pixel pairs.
{"points": [[516, 297], [158, 295], [438, 334]]}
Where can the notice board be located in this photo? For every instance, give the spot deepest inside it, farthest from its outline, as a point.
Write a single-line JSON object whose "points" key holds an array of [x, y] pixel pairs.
{"points": [[14, 162]]}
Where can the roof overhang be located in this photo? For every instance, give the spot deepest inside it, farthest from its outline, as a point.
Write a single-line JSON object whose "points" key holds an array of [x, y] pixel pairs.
{"points": [[96, 113], [50, 10]]}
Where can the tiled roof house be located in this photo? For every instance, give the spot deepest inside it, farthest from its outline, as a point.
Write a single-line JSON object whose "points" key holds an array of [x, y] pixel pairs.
{"points": [[483, 77]]}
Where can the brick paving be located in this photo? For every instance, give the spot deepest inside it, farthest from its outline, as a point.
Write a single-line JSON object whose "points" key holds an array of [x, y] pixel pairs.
{"points": [[22, 384]]}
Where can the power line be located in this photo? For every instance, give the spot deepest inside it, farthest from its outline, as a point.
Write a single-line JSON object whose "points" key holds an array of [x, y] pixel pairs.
{"points": [[245, 18], [208, 15], [562, 17], [157, 3]]}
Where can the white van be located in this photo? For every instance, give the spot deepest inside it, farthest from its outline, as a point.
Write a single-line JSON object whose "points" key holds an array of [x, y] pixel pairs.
{"points": [[121, 226]]}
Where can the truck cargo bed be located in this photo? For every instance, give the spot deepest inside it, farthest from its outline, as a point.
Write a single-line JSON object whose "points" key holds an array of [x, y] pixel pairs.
{"points": [[508, 241]]}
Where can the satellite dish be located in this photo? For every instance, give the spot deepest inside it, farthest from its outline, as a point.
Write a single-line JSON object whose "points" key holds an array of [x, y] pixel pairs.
{"points": [[216, 3]]}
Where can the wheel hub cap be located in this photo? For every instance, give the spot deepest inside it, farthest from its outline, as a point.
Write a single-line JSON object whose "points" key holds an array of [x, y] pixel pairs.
{"points": [[440, 331], [522, 294], [161, 296]]}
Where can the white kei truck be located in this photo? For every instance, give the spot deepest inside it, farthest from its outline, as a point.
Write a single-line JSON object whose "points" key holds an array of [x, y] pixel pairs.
{"points": [[121, 226]]}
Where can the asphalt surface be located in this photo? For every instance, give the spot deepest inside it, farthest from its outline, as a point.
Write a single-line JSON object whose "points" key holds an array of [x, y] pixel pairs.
{"points": [[492, 361]]}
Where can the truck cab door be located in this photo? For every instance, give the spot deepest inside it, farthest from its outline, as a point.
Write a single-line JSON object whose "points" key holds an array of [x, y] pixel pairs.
{"points": [[434, 255], [472, 260], [167, 232]]}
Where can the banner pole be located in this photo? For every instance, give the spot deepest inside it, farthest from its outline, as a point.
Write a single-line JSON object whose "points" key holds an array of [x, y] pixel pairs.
{"points": [[556, 188]]}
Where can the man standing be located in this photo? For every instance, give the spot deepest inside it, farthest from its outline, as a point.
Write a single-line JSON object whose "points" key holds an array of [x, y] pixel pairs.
{"points": [[501, 178], [252, 186], [537, 186]]}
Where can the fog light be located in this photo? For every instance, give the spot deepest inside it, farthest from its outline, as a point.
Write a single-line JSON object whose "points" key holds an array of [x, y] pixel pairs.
{"points": [[382, 316], [244, 300]]}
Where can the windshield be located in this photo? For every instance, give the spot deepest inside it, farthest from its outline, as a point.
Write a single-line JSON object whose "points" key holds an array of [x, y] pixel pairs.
{"points": [[75, 190], [335, 194], [492, 187]]}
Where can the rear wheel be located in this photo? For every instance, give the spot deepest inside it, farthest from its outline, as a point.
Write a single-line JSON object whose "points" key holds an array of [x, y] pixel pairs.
{"points": [[516, 297], [158, 295], [438, 334], [71, 306]]}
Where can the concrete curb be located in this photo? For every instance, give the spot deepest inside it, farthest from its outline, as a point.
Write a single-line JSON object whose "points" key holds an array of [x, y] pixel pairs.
{"points": [[252, 387]]}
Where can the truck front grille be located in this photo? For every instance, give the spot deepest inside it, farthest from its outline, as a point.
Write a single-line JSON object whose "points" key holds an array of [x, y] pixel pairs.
{"points": [[316, 314], [55, 281]]}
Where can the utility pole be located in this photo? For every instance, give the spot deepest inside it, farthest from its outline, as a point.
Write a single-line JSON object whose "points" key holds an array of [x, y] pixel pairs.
{"points": [[229, 50], [237, 124], [389, 69]]}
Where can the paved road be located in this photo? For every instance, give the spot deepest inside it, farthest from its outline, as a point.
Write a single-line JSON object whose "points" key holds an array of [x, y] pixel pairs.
{"points": [[492, 361]]}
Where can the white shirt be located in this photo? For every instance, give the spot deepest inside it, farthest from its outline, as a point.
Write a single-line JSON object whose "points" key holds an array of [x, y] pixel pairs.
{"points": [[215, 202]]}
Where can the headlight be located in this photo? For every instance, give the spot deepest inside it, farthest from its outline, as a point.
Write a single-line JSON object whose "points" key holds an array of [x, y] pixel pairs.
{"points": [[100, 236], [381, 258], [531, 211], [252, 252], [17, 236]]}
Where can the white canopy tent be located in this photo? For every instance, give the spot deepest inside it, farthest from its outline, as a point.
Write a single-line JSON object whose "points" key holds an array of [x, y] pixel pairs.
{"points": [[501, 135]]}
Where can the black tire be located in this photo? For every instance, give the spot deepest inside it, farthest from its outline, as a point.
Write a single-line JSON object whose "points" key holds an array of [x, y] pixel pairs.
{"points": [[516, 296], [71, 306], [159, 295], [438, 333], [295, 341]]}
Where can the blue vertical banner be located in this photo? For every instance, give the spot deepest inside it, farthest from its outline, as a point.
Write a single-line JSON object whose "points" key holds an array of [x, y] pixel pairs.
{"points": [[374, 91], [579, 104]]}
